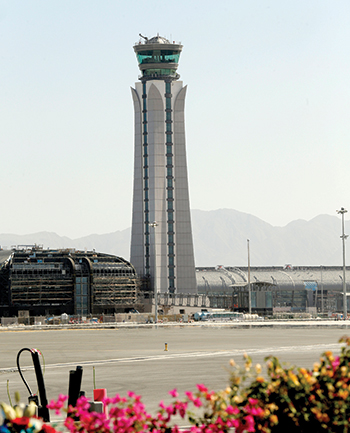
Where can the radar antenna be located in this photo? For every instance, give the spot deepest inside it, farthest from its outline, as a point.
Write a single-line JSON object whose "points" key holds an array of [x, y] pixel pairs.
{"points": [[144, 37]]}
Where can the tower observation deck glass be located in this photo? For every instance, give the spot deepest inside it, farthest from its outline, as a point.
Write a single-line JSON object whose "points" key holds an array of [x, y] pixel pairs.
{"points": [[158, 58]]}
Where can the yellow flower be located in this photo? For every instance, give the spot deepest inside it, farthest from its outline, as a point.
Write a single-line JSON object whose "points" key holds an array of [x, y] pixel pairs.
{"points": [[293, 378], [329, 355], [273, 419], [30, 410], [9, 412], [330, 387], [260, 379], [232, 363], [343, 370], [258, 368], [238, 399], [316, 366], [343, 394]]}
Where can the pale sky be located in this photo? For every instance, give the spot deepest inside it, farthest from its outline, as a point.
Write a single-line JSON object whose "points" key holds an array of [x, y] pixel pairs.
{"points": [[267, 108]]}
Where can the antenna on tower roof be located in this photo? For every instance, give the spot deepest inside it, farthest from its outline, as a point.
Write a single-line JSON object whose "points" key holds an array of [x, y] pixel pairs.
{"points": [[144, 37]]}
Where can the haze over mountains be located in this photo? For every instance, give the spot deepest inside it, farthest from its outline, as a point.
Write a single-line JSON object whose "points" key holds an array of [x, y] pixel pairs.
{"points": [[220, 237]]}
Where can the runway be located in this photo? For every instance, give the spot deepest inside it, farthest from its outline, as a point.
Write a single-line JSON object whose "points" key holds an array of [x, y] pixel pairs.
{"points": [[135, 359]]}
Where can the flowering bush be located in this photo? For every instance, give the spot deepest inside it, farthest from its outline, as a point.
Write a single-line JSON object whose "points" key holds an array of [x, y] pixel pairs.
{"points": [[21, 419], [288, 399]]}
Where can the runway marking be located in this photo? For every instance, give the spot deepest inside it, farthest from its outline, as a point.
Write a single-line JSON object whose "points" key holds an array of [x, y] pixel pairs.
{"points": [[232, 353]]}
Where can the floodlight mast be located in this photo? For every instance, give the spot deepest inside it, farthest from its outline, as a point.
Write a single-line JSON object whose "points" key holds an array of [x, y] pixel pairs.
{"points": [[154, 225], [249, 288], [342, 211]]}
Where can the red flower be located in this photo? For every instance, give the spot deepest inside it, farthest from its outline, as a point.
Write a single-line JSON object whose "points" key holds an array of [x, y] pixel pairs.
{"points": [[48, 429], [21, 422]]}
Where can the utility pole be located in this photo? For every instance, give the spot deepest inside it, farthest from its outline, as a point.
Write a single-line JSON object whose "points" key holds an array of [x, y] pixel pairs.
{"points": [[342, 211], [322, 304], [153, 226], [249, 291]]}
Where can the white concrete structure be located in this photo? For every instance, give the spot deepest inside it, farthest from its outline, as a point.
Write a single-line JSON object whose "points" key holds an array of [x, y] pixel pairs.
{"points": [[164, 250]]}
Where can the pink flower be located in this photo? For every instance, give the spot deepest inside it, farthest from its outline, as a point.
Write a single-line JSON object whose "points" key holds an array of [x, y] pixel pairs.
{"points": [[174, 393], [189, 395], [232, 410], [336, 362], [249, 423], [57, 405], [256, 411], [197, 402], [202, 388]]}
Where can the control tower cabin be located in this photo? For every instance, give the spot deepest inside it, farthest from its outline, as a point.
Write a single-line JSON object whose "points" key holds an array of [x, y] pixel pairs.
{"points": [[161, 238]]}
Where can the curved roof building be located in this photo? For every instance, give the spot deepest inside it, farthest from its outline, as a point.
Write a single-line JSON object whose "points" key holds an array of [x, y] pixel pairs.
{"points": [[290, 287], [65, 281]]}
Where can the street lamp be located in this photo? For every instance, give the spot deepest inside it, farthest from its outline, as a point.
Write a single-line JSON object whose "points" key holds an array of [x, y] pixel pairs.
{"points": [[342, 211], [154, 225], [249, 291], [322, 302]]}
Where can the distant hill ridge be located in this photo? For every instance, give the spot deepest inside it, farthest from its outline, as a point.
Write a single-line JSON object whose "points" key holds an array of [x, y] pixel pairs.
{"points": [[220, 237]]}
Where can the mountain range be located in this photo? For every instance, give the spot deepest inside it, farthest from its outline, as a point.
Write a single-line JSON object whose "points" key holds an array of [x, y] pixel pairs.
{"points": [[220, 238]]}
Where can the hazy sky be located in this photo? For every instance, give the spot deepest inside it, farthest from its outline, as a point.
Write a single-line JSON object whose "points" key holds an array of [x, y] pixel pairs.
{"points": [[267, 108]]}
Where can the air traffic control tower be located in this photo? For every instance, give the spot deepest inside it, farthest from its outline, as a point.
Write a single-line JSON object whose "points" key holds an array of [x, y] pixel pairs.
{"points": [[161, 238]]}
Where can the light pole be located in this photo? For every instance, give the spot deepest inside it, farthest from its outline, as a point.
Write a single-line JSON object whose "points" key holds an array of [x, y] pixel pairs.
{"points": [[154, 225], [322, 304], [342, 211], [249, 291]]}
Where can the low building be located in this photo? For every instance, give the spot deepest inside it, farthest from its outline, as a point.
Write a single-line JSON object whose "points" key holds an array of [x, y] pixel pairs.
{"points": [[277, 288]]}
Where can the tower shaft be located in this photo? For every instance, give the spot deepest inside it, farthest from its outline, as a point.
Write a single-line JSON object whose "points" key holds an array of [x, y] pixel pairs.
{"points": [[163, 250]]}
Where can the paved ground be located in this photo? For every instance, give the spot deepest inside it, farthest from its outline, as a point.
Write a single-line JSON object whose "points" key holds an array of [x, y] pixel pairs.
{"points": [[134, 359]]}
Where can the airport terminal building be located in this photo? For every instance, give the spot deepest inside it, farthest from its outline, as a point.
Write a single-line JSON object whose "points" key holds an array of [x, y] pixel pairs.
{"points": [[277, 288], [81, 283]]}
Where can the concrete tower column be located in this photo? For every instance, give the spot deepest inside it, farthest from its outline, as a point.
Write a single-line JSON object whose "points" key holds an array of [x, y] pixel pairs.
{"points": [[160, 172]]}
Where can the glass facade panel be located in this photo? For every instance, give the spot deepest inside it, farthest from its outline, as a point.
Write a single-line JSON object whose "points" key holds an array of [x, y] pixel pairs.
{"points": [[268, 299], [253, 298], [159, 72], [158, 56]]}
